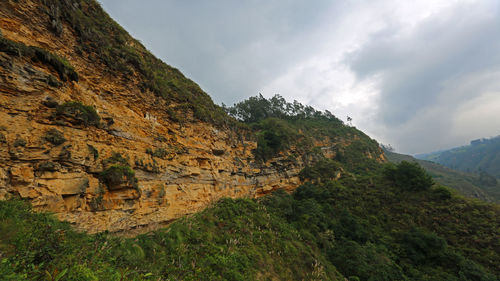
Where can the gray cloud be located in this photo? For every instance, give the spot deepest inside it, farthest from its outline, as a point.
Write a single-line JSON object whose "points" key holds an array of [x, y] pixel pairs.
{"points": [[231, 48], [422, 72], [412, 75]]}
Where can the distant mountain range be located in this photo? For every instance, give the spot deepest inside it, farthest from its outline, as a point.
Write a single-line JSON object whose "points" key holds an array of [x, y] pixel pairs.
{"points": [[468, 184], [481, 156]]}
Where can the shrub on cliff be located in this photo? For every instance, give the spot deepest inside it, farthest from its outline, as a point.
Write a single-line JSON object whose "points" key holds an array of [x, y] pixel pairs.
{"points": [[36, 54], [408, 175], [275, 135], [78, 113], [118, 175], [19, 142], [323, 169], [159, 152], [54, 136]]}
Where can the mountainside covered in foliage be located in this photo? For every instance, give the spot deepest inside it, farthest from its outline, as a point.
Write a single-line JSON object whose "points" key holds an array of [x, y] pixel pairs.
{"points": [[97, 130], [387, 223], [475, 185], [354, 218], [113, 141], [481, 156]]}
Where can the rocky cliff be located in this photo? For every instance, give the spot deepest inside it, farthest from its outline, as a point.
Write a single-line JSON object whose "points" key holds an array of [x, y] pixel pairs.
{"points": [[97, 145]]}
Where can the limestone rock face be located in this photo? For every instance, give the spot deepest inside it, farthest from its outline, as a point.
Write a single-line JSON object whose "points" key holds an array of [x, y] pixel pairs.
{"points": [[198, 165]]}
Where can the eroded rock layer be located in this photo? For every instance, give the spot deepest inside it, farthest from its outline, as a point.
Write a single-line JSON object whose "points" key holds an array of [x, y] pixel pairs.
{"points": [[133, 166]]}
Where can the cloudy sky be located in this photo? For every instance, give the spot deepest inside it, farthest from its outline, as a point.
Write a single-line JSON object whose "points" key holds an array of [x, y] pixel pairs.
{"points": [[419, 75]]}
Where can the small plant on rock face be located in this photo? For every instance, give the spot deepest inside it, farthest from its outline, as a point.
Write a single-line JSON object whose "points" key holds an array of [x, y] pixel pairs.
{"points": [[159, 152], [116, 175], [19, 142], [54, 136], [47, 166], [116, 158], [162, 192], [78, 113], [96, 203], [93, 151]]}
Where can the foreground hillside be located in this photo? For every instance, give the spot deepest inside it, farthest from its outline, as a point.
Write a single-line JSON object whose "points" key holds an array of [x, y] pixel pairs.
{"points": [[353, 218], [387, 224], [469, 184], [480, 156]]}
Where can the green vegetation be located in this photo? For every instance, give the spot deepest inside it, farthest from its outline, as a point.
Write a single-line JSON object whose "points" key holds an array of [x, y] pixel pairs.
{"points": [[93, 151], [60, 65], [54, 136], [280, 125], [102, 40], [159, 152], [47, 166], [409, 175], [324, 169], [115, 158], [78, 113], [364, 228], [482, 186], [353, 218], [273, 136], [234, 240], [479, 156], [19, 142], [2, 138], [118, 173]]}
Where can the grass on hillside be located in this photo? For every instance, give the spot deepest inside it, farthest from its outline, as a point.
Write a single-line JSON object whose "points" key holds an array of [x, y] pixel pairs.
{"points": [[102, 40], [362, 228], [469, 184]]}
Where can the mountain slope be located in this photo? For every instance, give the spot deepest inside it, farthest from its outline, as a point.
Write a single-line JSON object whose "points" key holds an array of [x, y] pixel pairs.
{"points": [[97, 130], [109, 139], [468, 184], [481, 155], [361, 227]]}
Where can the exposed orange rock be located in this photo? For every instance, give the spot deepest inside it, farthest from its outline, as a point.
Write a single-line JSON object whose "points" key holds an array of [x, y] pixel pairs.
{"points": [[203, 163]]}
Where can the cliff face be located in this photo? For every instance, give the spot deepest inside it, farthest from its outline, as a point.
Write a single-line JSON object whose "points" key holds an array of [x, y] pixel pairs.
{"points": [[53, 153]]}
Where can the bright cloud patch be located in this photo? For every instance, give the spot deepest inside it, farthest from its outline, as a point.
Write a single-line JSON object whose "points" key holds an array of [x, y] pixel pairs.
{"points": [[421, 76]]}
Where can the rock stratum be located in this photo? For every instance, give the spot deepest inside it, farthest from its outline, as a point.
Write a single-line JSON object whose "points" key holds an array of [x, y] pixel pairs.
{"points": [[83, 135]]}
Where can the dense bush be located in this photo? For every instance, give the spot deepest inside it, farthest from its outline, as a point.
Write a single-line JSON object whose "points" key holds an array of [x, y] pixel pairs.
{"points": [[19, 142], [117, 175], [423, 247], [280, 125], [274, 136], [78, 113], [258, 108], [54, 136], [324, 169], [409, 176], [233, 240], [323, 231], [159, 152]]}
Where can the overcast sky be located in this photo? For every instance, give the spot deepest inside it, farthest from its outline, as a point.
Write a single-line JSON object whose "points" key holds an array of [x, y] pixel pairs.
{"points": [[419, 75]]}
